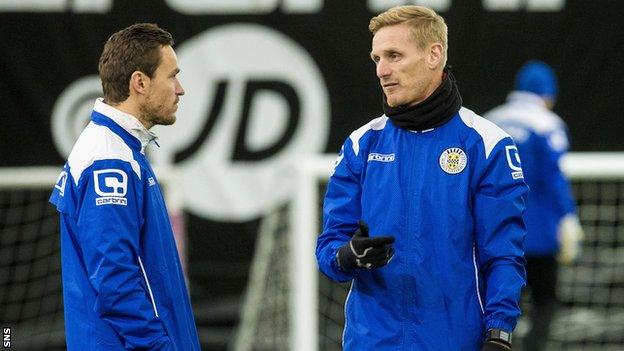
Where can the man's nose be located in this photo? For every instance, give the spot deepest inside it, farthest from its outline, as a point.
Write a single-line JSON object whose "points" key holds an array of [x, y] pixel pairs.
{"points": [[383, 69], [179, 90]]}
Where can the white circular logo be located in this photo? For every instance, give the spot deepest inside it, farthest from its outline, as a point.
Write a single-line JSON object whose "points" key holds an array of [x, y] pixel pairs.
{"points": [[453, 160], [255, 104]]}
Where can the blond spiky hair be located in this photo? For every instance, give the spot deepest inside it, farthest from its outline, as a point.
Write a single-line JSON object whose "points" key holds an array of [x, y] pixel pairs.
{"points": [[426, 25]]}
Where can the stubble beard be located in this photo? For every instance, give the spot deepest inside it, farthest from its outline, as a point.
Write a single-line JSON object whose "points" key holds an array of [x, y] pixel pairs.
{"points": [[391, 102], [153, 114], [394, 101]]}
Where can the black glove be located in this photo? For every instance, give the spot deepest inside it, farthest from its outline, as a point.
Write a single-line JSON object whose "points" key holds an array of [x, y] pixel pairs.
{"points": [[497, 340], [364, 252], [494, 345]]}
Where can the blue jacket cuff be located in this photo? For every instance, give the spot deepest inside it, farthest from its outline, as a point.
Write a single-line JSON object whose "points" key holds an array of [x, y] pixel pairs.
{"points": [[499, 324]]}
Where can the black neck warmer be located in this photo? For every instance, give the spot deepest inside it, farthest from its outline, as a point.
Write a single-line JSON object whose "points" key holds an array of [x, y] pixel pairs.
{"points": [[433, 112]]}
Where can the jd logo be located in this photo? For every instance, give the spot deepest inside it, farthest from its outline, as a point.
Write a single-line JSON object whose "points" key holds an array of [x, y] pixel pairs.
{"points": [[253, 89], [255, 103]]}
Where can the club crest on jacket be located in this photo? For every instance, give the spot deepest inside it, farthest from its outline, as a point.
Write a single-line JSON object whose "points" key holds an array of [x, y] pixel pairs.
{"points": [[453, 160]]}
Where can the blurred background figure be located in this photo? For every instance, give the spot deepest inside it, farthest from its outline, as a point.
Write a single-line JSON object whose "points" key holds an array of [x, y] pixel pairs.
{"points": [[553, 228]]}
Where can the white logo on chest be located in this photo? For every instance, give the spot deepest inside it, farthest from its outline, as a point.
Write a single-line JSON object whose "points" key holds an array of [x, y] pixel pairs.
{"points": [[453, 160], [380, 157]]}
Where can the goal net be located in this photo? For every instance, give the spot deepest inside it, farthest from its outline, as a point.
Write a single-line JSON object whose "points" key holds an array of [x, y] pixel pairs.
{"points": [[289, 305], [30, 266]]}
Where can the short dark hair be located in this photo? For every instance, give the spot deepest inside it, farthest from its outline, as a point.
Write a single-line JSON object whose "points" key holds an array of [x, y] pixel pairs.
{"points": [[136, 48]]}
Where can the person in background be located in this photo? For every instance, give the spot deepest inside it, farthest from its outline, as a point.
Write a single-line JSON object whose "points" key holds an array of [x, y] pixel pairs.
{"points": [[423, 211], [553, 228], [123, 285]]}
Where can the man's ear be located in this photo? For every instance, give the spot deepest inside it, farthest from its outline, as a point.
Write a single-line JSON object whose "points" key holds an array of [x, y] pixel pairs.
{"points": [[139, 83], [435, 55]]}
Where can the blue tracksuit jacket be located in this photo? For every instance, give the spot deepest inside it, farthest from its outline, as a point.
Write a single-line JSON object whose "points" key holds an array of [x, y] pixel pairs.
{"points": [[542, 139], [453, 197], [123, 285]]}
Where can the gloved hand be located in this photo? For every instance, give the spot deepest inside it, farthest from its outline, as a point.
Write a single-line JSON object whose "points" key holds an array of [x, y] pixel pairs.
{"points": [[497, 340], [365, 252], [494, 345], [570, 235]]}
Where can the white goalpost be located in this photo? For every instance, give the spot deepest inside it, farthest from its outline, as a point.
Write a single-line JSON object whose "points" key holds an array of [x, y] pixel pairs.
{"points": [[305, 218], [306, 312]]}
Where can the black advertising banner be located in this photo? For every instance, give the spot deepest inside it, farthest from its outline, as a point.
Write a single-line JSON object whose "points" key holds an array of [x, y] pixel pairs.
{"points": [[273, 80], [50, 50]]}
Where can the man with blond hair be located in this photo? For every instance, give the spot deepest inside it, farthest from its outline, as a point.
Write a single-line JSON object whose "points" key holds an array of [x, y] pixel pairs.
{"points": [[423, 212]]}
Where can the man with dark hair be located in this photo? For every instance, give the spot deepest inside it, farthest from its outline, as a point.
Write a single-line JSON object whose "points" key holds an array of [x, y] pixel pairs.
{"points": [[440, 264], [553, 228], [123, 286]]}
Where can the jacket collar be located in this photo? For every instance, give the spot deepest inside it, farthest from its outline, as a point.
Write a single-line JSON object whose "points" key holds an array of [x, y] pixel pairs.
{"points": [[434, 111], [128, 122], [525, 97]]}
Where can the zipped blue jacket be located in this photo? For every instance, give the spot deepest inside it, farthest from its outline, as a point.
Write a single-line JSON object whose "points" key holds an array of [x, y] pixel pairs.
{"points": [[453, 197], [123, 285], [542, 138]]}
